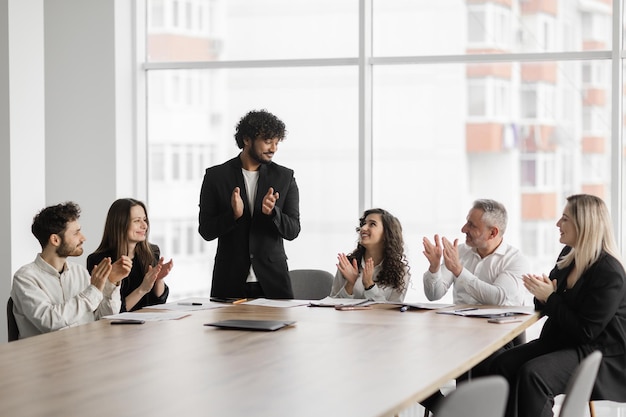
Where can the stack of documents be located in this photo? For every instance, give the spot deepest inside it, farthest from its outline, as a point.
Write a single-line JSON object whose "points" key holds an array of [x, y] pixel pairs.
{"points": [[334, 302], [487, 312], [264, 302]]}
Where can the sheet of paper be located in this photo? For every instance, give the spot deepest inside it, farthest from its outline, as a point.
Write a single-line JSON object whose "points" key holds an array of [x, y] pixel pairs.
{"points": [[416, 305], [488, 312], [189, 304], [428, 306], [147, 316], [276, 303], [332, 302]]}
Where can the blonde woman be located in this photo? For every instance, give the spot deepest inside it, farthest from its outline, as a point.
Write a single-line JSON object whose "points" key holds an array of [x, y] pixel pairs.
{"points": [[584, 299]]}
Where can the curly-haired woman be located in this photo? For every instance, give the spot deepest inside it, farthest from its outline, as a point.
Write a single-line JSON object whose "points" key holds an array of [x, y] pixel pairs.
{"points": [[378, 268]]}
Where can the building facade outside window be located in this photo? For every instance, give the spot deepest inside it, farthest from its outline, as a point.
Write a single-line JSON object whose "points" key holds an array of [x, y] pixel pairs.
{"points": [[527, 132]]}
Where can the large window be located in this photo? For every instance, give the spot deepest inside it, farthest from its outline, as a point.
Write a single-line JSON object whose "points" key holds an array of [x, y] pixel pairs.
{"points": [[319, 108], [426, 113]]}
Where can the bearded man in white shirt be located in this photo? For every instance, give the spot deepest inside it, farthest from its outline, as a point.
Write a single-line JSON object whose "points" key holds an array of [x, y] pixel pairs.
{"points": [[52, 293], [485, 270]]}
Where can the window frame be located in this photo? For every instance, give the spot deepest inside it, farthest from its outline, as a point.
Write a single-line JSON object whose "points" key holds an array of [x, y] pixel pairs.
{"points": [[366, 62]]}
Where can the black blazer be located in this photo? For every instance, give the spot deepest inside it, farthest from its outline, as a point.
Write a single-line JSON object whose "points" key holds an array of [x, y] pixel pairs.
{"points": [[257, 238], [592, 316], [133, 280]]}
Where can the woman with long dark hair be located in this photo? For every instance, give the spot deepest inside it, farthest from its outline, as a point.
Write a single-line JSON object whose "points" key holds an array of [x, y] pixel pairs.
{"points": [[126, 235], [378, 268]]}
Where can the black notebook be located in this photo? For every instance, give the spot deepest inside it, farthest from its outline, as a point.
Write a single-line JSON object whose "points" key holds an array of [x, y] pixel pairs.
{"points": [[263, 325]]}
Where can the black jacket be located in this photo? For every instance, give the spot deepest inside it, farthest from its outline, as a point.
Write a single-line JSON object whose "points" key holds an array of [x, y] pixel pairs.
{"points": [[133, 280], [592, 316], [256, 238]]}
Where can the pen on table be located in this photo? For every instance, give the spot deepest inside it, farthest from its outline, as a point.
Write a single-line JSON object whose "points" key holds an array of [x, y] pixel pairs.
{"points": [[243, 300], [465, 309], [189, 304], [404, 308]]}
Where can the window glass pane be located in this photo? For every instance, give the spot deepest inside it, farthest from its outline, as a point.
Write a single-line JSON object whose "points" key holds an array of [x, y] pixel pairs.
{"points": [[156, 164], [476, 25], [175, 13], [188, 16], [453, 27], [319, 107], [251, 29], [526, 133], [156, 16], [477, 100], [529, 171], [176, 163], [529, 163]]}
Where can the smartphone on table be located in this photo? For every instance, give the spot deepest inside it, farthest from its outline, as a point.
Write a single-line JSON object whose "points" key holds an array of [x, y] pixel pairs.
{"points": [[505, 319]]}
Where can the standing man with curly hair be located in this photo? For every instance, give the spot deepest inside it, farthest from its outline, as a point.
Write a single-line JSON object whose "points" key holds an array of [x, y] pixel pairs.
{"points": [[250, 204]]}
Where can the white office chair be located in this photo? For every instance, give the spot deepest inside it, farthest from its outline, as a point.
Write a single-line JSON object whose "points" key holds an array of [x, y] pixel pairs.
{"points": [[580, 386], [310, 284], [479, 397]]}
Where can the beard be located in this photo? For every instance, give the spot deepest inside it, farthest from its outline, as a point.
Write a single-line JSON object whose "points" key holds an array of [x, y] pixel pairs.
{"points": [[476, 242], [66, 250], [258, 157]]}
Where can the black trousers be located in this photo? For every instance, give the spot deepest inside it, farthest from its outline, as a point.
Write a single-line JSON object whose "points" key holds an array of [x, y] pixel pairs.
{"points": [[254, 290], [536, 374]]}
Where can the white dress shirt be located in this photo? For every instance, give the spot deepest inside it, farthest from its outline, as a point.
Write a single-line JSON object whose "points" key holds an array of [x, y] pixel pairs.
{"points": [[46, 300], [493, 280]]}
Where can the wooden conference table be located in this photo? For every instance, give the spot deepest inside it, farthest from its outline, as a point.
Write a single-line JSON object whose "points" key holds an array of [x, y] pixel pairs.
{"points": [[351, 363]]}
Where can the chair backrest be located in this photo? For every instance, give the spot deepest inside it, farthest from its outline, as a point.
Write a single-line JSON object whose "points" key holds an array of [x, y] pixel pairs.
{"points": [[310, 284], [580, 386], [479, 397], [13, 331]]}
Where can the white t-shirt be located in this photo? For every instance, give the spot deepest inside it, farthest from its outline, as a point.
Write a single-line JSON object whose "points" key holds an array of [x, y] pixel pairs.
{"points": [[251, 179]]}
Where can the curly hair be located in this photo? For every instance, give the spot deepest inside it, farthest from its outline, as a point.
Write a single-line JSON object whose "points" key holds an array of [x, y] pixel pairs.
{"points": [[259, 125], [395, 264], [53, 220]]}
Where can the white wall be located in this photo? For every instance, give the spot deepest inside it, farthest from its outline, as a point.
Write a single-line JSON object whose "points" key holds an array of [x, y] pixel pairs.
{"points": [[85, 134], [5, 167], [21, 136], [66, 118]]}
